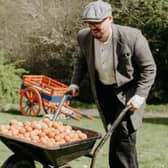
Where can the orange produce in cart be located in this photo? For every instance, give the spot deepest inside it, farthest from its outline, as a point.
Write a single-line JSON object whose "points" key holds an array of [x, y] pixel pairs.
{"points": [[43, 132]]}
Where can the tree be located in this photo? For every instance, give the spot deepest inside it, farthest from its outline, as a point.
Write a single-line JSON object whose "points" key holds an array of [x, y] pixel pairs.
{"points": [[43, 33], [150, 16]]}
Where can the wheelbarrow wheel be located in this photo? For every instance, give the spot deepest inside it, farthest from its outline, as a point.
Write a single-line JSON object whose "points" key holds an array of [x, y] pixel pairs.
{"points": [[16, 161], [30, 102]]}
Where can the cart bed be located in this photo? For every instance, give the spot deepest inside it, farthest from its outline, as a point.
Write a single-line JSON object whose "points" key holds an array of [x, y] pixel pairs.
{"points": [[44, 84]]}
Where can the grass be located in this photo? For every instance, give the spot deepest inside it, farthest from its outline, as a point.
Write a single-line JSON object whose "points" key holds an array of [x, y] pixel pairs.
{"points": [[157, 108], [152, 145]]}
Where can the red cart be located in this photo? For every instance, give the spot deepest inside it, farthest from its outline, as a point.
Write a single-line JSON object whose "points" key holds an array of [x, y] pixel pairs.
{"points": [[42, 92]]}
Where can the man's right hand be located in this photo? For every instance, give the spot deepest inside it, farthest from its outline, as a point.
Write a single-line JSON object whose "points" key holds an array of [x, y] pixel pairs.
{"points": [[73, 90]]}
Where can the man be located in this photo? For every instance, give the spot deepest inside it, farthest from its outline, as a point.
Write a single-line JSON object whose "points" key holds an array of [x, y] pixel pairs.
{"points": [[121, 70]]}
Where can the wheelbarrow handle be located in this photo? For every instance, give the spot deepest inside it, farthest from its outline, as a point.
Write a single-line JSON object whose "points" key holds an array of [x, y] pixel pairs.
{"points": [[107, 135], [60, 106]]}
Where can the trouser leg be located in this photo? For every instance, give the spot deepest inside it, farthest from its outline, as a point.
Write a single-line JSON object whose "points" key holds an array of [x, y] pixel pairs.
{"points": [[122, 153]]}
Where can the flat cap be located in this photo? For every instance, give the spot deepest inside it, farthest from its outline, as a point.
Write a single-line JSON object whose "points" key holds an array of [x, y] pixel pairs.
{"points": [[96, 11]]}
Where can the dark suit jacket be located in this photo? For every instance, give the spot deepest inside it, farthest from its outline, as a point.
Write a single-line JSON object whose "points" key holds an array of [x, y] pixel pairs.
{"points": [[134, 66]]}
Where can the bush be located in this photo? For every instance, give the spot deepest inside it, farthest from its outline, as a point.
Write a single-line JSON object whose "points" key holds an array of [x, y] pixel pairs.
{"points": [[10, 80]]}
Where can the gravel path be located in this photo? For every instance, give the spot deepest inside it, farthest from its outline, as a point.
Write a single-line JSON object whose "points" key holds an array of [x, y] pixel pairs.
{"points": [[94, 112]]}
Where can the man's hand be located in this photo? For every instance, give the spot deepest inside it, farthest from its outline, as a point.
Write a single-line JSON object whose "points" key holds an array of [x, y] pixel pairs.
{"points": [[73, 90], [135, 102]]}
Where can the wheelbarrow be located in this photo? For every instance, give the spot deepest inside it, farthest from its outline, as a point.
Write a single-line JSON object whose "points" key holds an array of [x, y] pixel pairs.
{"points": [[26, 153]]}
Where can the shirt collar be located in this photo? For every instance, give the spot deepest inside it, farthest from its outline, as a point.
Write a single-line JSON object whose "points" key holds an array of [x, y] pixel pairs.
{"points": [[109, 39]]}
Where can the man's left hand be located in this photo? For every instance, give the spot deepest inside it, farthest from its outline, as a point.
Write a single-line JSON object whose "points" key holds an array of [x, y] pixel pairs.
{"points": [[135, 102]]}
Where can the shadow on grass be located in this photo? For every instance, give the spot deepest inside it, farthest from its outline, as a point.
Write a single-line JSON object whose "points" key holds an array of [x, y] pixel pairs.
{"points": [[11, 111], [15, 112], [156, 120]]}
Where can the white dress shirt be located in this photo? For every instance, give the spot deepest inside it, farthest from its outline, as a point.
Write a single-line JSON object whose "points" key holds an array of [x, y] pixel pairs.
{"points": [[104, 61]]}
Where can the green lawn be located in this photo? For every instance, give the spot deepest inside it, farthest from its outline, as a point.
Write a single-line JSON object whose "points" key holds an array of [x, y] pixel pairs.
{"points": [[152, 142]]}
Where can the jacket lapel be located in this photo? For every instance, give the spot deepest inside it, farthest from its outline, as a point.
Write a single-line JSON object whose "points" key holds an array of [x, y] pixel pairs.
{"points": [[115, 38], [91, 54], [91, 64]]}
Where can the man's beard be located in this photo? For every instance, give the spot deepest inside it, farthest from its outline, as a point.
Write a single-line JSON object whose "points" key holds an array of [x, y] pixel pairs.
{"points": [[97, 33]]}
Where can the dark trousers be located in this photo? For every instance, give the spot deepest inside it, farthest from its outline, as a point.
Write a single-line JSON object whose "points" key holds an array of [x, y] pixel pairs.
{"points": [[122, 152]]}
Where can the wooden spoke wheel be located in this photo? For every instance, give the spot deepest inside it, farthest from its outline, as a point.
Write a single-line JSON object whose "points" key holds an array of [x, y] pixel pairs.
{"points": [[16, 161], [30, 102], [49, 110]]}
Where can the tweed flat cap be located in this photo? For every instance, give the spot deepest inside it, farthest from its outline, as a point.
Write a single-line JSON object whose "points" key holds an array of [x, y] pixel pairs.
{"points": [[96, 11]]}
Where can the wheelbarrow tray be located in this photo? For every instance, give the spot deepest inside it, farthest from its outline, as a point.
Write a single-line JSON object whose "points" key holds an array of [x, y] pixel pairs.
{"points": [[54, 156]]}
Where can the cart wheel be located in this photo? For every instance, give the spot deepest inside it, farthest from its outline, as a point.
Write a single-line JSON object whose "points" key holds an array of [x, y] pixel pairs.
{"points": [[48, 110], [30, 102], [16, 161]]}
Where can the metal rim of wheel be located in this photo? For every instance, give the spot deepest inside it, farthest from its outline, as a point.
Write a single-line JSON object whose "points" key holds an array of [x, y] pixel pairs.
{"points": [[30, 102]]}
